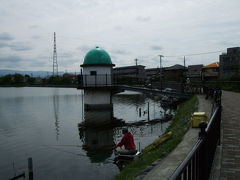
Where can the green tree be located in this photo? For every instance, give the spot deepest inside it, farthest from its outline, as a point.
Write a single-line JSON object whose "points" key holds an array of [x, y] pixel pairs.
{"points": [[54, 80], [29, 80], [66, 81], [18, 79], [6, 80]]}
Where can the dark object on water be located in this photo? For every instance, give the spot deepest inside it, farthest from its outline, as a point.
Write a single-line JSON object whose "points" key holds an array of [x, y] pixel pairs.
{"points": [[127, 156], [19, 176], [167, 117], [168, 101], [122, 159], [30, 168]]}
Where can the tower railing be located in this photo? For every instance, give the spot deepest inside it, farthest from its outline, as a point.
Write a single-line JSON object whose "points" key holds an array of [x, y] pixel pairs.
{"points": [[99, 80]]}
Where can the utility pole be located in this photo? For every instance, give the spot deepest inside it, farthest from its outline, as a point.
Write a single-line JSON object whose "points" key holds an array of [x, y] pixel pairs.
{"points": [[184, 62], [136, 70], [55, 64], [161, 70], [136, 61]]}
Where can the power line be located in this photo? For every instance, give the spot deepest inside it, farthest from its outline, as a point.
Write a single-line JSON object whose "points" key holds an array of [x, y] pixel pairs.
{"points": [[196, 54]]}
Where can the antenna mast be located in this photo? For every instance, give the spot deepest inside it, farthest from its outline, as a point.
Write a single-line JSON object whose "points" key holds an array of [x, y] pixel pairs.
{"points": [[55, 64]]}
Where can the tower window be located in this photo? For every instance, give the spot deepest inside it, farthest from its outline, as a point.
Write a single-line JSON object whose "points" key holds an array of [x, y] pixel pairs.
{"points": [[93, 73]]}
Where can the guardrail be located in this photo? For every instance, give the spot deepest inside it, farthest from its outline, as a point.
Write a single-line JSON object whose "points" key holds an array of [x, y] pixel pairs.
{"points": [[110, 81], [197, 165], [95, 80]]}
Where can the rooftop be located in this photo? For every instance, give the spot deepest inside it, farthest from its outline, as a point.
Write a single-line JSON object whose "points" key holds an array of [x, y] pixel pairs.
{"points": [[175, 67], [129, 67], [213, 65]]}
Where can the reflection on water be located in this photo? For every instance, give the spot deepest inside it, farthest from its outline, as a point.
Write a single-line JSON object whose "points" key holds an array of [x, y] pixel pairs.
{"points": [[96, 135], [134, 107], [56, 112], [50, 125], [98, 117], [98, 144]]}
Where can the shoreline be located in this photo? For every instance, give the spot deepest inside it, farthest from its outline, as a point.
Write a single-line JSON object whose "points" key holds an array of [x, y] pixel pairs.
{"points": [[179, 126], [57, 86]]}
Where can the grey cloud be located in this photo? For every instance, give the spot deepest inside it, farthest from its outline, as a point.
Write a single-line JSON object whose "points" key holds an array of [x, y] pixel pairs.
{"points": [[15, 46], [65, 55], [155, 58], [18, 62], [33, 27], [44, 56], [2, 44], [122, 52], [36, 37], [5, 36], [68, 62], [85, 48], [156, 48], [10, 59], [227, 43], [113, 57], [143, 19], [19, 47], [118, 27], [37, 64], [222, 24]]}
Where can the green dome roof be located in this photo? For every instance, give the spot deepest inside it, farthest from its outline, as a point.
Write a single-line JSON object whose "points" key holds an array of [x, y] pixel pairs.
{"points": [[97, 56]]}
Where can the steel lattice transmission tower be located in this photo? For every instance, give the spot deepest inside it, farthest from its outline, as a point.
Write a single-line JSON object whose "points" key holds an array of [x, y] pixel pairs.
{"points": [[55, 64]]}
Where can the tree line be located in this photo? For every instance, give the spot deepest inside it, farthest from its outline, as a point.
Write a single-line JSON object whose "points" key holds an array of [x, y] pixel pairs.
{"points": [[26, 80]]}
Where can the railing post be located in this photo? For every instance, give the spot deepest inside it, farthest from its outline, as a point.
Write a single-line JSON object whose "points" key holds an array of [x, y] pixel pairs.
{"points": [[106, 79], [202, 132], [95, 80], [203, 151], [219, 98], [85, 84]]}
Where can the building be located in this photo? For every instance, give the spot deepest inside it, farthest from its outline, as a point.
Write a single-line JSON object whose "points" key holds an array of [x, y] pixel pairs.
{"points": [[96, 79], [153, 73], [194, 72], [135, 73], [210, 72], [230, 62], [175, 73]]}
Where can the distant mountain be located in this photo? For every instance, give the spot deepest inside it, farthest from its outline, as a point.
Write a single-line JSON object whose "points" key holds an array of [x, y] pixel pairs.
{"points": [[4, 72]]}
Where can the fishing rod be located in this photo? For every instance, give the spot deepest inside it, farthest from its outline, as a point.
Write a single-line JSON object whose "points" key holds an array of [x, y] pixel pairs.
{"points": [[69, 152], [66, 145]]}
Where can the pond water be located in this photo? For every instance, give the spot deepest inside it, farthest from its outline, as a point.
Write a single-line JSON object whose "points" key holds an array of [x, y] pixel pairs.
{"points": [[43, 123]]}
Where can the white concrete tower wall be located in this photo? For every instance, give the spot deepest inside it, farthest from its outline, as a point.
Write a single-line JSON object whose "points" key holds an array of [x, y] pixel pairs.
{"points": [[102, 75], [98, 69], [93, 97]]}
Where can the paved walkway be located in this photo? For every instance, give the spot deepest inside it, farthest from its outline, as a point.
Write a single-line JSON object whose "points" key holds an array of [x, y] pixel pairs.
{"points": [[167, 165], [230, 161]]}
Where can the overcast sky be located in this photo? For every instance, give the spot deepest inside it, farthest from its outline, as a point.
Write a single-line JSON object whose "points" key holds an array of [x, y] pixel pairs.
{"points": [[126, 29]]}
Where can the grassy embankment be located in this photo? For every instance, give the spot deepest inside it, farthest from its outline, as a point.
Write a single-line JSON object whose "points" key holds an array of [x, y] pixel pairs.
{"points": [[178, 127], [231, 87], [227, 85]]}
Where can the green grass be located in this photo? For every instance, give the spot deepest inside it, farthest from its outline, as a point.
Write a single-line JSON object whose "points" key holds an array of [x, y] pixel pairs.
{"points": [[231, 88], [179, 127], [228, 84]]}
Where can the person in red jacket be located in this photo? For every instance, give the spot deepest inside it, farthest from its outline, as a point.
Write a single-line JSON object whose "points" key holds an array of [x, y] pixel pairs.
{"points": [[127, 141]]}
